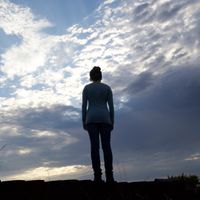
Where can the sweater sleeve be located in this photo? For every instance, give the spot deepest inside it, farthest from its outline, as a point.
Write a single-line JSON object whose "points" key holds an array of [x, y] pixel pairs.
{"points": [[84, 105], [110, 104]]}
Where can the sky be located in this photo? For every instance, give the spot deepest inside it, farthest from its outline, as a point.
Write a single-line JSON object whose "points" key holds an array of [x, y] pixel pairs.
{"points": [[148, 51]]}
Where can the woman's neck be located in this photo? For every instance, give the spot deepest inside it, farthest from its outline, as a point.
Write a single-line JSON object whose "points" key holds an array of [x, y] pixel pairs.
{"points": [[96, 81]]}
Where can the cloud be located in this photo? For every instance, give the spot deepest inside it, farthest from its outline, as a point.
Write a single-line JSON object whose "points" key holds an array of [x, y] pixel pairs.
{"points": [[175, 89], [49, 138], [161, 119], [27, 56], [57, 116], [141, 82], [168, 10], [159, 116], [14, 20], [192, 157]]}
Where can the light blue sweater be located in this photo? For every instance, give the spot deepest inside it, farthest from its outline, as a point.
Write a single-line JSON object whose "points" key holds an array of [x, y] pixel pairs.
{"points": [[96, 98]]}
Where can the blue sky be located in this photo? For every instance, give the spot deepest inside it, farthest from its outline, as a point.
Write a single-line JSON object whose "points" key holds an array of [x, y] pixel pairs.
{"points": [[61, 13], [149, 54]]}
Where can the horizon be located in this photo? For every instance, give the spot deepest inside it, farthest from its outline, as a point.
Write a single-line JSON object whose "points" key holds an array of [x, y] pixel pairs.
{"points": [[149, 55]]}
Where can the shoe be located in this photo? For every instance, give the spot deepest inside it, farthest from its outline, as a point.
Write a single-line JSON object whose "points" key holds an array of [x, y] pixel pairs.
{"points": [[110, 180], [98, 181]]}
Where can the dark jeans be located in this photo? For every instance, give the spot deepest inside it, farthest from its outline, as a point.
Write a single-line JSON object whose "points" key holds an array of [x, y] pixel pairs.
{"points": [[104, 131]]}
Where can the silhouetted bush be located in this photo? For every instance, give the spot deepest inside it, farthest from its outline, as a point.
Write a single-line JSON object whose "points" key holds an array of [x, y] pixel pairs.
{"points": [[183, 177]]}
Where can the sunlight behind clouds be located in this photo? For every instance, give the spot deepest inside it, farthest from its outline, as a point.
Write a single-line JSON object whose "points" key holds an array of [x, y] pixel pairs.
{"points": [[51, 173], [24, 151]]}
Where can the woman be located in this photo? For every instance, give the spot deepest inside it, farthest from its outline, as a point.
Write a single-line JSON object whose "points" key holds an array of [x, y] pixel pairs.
{"points": [[98, 120]]}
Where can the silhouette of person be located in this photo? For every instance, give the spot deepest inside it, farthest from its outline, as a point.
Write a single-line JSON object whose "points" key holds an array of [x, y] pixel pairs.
{"points": [[98, 120]]}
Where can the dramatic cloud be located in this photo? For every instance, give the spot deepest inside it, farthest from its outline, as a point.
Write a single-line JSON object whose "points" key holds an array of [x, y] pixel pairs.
{"points": [[149, 55]]}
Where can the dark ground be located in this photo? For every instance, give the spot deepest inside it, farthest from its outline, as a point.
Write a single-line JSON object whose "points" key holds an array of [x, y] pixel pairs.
{"points": [[88, 190]]}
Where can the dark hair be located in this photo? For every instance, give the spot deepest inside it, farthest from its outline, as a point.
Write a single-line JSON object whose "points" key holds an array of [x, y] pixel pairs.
{"points": [[95, 74]]}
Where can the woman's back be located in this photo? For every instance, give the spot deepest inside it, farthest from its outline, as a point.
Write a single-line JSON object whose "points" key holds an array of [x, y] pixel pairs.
{"points": [[98, 95]]}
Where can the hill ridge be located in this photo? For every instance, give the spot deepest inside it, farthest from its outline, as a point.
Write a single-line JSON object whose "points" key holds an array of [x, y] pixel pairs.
{"points": [[87, 190]]}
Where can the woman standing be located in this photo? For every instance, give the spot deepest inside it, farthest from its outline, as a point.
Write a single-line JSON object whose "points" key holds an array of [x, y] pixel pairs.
{"points": [[98, 120]]}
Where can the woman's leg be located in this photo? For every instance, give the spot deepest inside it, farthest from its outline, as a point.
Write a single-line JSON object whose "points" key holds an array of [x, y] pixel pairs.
{"points": [[105, 132], [93, 131]]}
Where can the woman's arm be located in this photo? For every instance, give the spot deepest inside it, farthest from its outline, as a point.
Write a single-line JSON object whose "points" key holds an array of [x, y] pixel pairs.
{"points": [[84, 107], [110, 104]]}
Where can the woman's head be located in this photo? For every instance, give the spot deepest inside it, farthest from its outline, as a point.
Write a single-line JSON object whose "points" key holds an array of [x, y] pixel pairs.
{"points": [[95, 74]]}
